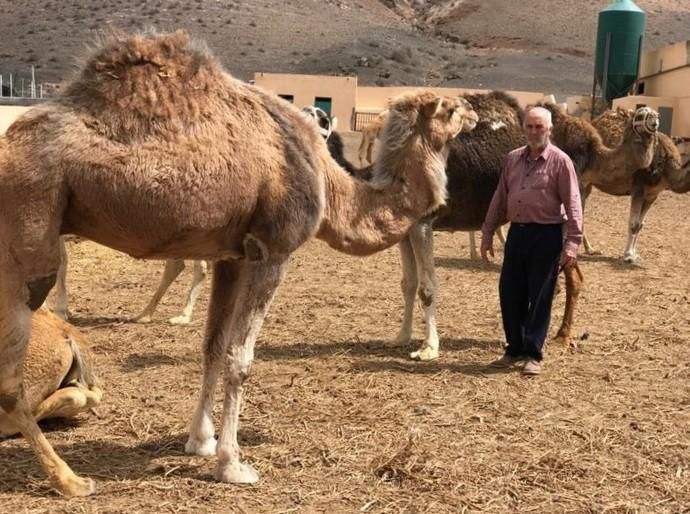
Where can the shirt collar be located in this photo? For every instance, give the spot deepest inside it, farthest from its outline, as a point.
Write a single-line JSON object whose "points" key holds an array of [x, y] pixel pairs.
{"points": [[546, 152]]}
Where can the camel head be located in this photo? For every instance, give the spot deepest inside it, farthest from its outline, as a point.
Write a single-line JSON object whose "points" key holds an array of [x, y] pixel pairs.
{"points": [[326, 124], [434, 119], [645, 121]]}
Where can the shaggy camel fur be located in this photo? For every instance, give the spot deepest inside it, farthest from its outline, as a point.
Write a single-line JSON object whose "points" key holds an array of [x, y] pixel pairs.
{"points": [[58, 378], [173, 267], [370, 134], [644, 184], [145, 152], [473, 169], [597, 164]]}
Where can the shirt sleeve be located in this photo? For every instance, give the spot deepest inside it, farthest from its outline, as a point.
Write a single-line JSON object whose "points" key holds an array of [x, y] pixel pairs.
{"points": [[569, 192], [497, 213]]}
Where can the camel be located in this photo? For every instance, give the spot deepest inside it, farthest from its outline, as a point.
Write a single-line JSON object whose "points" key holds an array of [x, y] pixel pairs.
{"points": [[145, 152], [612, 170], [473, 168], [58, 377], [667, 170], [173, 267], [370, 133]]}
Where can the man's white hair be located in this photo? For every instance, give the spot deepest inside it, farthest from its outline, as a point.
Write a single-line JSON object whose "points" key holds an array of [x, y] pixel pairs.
{"points": [[542, 112]]}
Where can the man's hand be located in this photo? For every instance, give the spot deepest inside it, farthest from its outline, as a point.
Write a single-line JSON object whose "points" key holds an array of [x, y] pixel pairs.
{"points": [[566, 261], [486, 250]]}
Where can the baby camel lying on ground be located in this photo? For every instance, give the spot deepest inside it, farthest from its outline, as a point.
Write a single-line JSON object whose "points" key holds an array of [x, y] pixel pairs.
{"points": [[58, 377]]}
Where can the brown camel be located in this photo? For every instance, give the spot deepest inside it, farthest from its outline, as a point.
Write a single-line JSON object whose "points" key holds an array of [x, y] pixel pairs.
{"points": [[644, 184], [597, 164], [370, 133], [145, 152], [58, 379], [173, 267]]}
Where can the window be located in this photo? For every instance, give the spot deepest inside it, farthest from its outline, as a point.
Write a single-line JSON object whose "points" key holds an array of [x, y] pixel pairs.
{"points": [[665, 120], [640, 88], [289, 98], [324, 103]]}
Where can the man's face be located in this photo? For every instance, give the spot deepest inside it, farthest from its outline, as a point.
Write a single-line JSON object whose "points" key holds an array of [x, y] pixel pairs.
{"points": [[537, 129]]}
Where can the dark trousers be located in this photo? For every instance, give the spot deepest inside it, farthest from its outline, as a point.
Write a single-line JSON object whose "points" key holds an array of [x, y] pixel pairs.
{"points": [[528, 279]]}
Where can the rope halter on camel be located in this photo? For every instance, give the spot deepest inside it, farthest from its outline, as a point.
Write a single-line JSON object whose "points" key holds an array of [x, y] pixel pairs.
{"points": [[322, 119], [645, 121]]}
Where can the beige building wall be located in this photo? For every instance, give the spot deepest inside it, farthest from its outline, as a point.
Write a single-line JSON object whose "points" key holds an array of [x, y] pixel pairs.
{"points": [[671, 83], [305, 88], [9, 113], [375, 99], [664, 59]]}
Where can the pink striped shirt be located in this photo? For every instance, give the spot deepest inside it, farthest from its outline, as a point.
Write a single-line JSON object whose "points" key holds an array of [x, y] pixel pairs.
{"points": [[542, 190]]}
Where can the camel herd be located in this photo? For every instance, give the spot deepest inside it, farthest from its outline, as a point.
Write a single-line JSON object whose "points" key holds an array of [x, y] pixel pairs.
{"points": [[144, 152]]}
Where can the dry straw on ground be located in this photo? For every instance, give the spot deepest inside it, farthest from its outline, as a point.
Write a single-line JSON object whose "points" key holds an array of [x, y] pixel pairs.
{"points": [[337, 419]]}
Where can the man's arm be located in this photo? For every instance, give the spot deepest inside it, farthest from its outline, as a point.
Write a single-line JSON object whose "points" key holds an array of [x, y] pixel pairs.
{"points": [[569, 192]]}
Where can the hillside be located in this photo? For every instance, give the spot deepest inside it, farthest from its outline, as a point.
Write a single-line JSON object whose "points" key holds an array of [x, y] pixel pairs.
{"points": [[463, 43]]}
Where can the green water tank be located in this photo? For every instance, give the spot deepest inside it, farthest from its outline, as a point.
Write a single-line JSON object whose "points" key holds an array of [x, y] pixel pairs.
{"points": [[620, 29]]}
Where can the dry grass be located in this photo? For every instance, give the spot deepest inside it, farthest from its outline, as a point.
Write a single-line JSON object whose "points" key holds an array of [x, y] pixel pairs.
{"points": [[338, 420]]}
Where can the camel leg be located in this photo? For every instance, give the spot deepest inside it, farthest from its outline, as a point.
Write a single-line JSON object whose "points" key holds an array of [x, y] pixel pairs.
{"points": [[61, 285], [409, 289], [173, 267], [473, 246], [639, 207], [200, 271], [224, 294], [585, 191], [258, 285], [422, 239], [68, 401], [362, 151], [574, 280], [15, 327]]}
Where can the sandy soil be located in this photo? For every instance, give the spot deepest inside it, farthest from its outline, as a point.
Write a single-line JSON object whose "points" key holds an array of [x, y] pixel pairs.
{"points": [[337, 419]]}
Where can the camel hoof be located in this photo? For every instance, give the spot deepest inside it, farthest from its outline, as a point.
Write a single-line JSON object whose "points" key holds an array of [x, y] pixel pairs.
{"points": [[236, 473], [179, 320], [561, 340], [205, 448], [631, 259], [142, 318], [424, 354], [403, 338], [593, 251], [77, 486]]}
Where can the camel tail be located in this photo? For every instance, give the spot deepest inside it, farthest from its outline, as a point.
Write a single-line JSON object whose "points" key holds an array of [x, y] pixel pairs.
{"points": [[81, 371]]}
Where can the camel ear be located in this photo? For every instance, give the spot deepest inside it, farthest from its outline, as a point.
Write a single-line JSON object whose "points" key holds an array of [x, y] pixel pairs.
{"points": [[334, 123], [432, 108]]}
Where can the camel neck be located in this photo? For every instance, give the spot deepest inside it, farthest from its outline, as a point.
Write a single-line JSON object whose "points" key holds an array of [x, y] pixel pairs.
{"points": [[361, 218]]}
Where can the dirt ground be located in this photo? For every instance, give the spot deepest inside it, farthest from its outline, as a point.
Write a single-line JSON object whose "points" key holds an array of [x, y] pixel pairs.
{"points": [[337, 419]]}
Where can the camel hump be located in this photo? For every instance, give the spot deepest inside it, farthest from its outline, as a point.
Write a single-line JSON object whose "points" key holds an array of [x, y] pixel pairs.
{"points": [[147, 82]]}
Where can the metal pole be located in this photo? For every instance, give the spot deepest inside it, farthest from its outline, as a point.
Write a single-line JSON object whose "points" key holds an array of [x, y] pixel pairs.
{"points": [[594, 95], [11, 88], [33, 82], [607, 55], [0, 85]]}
